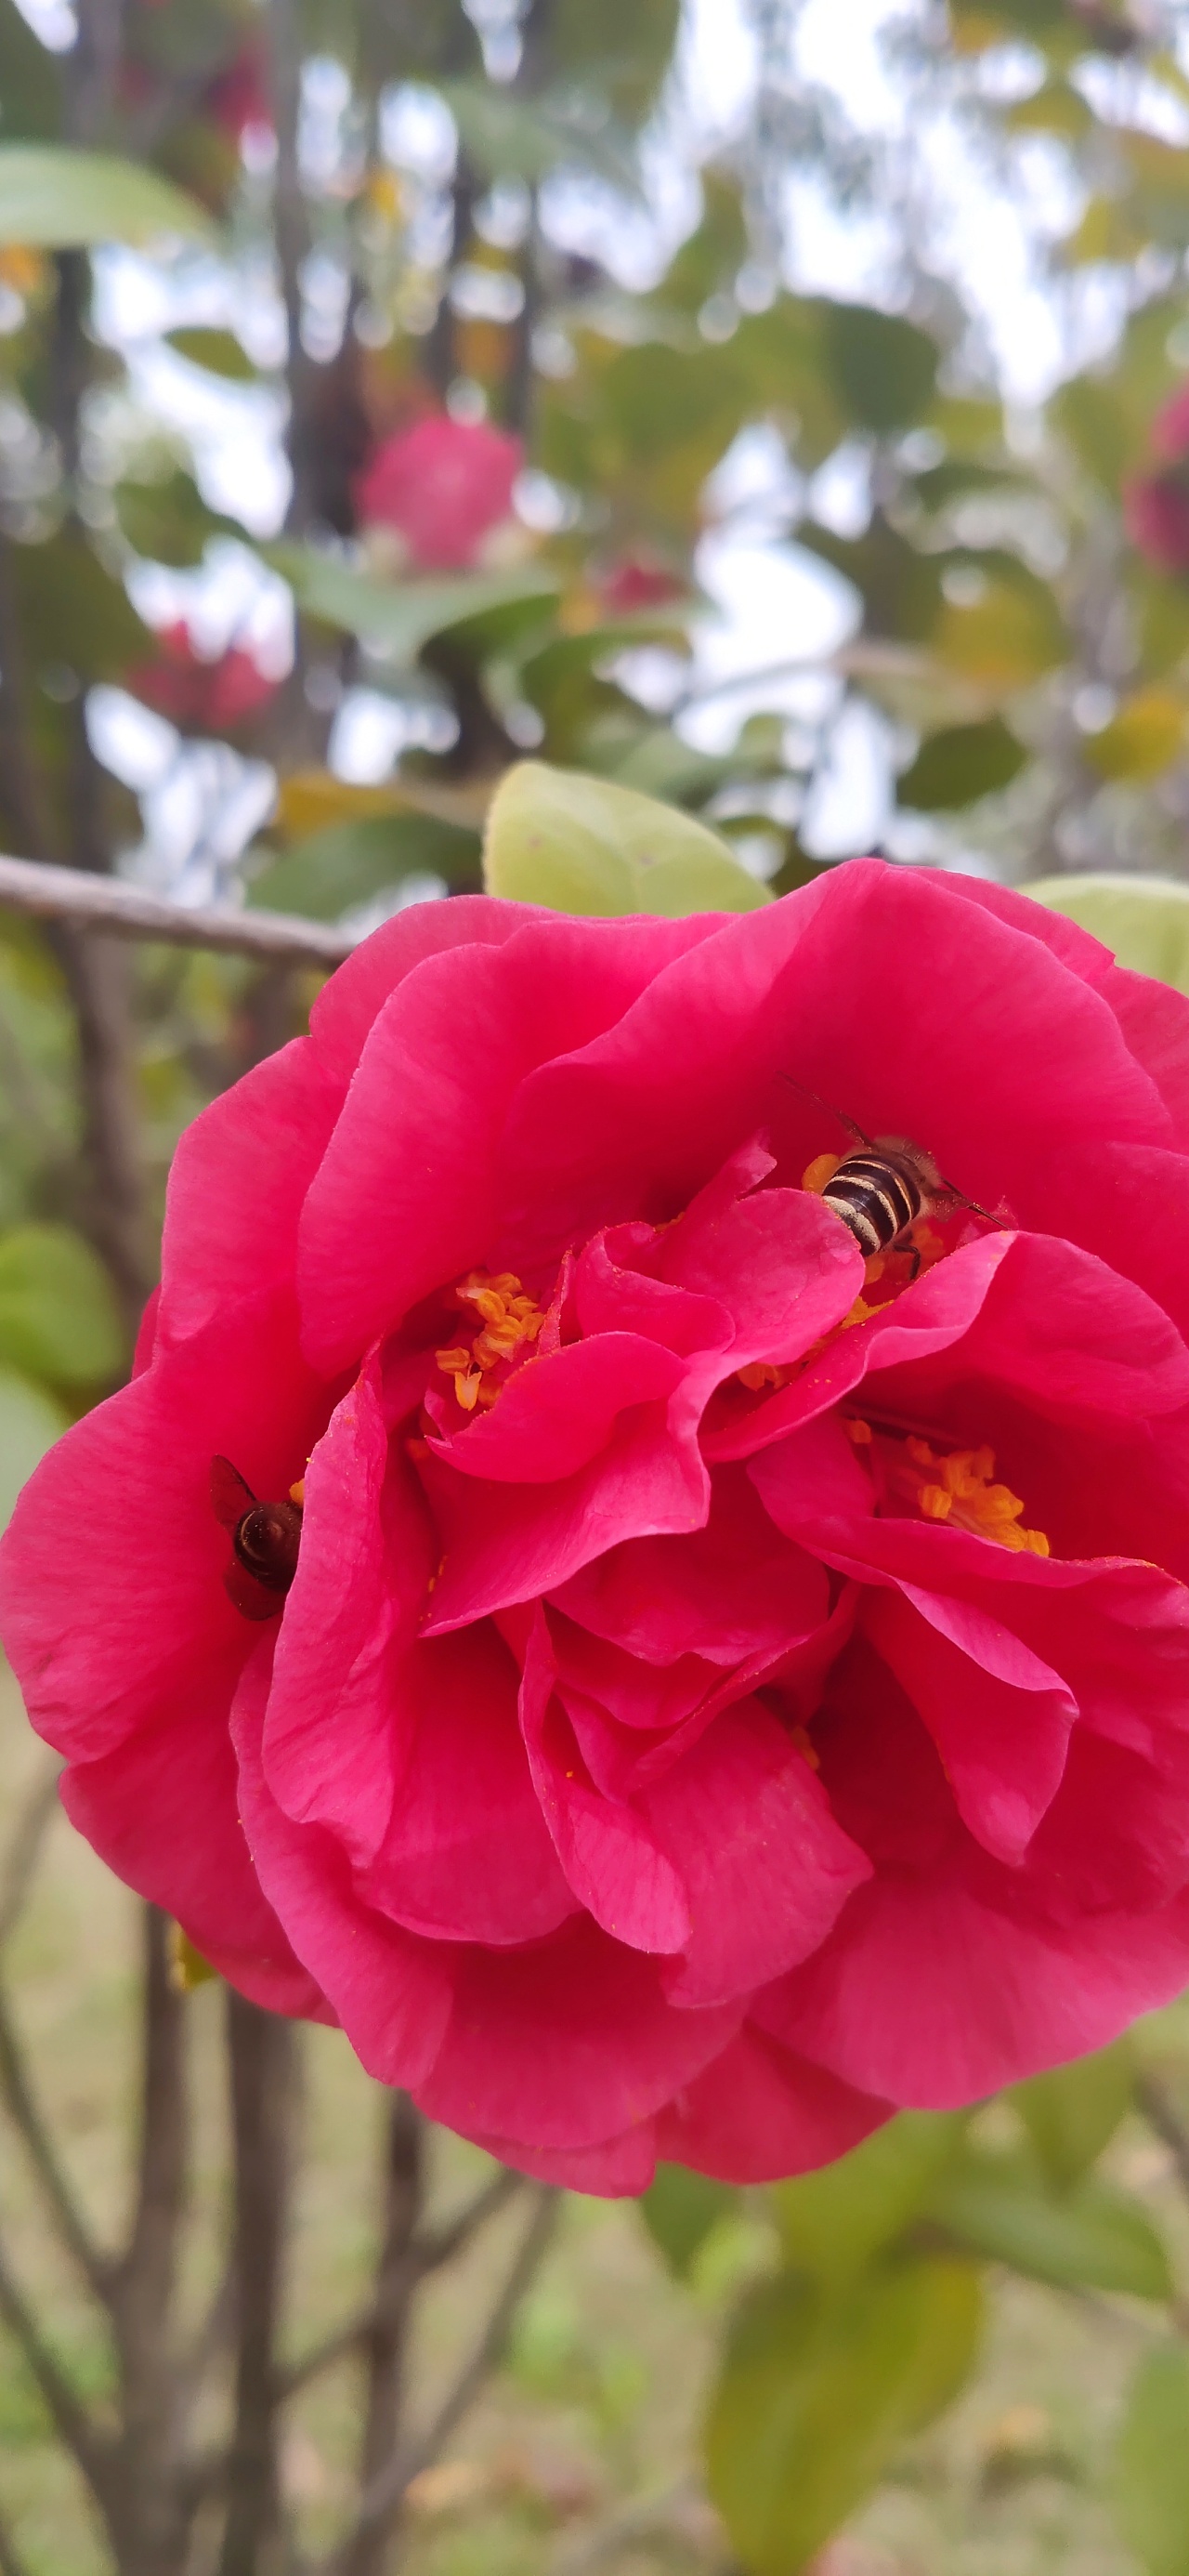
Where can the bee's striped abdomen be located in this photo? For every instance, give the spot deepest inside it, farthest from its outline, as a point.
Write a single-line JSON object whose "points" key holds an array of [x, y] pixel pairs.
{"points": [[877, 1199]]}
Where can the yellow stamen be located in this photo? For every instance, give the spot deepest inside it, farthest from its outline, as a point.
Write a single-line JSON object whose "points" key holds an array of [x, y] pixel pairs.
{"points": [[819, 1171], [955, 1486], [297, 1492], [508, 1318], [761, 1373]]}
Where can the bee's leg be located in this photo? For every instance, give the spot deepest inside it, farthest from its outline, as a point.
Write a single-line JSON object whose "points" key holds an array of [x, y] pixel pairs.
{"points": [[914, 1263]]}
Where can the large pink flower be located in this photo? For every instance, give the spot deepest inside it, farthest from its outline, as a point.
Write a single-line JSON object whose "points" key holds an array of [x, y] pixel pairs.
{"points": [[726, 1689]]}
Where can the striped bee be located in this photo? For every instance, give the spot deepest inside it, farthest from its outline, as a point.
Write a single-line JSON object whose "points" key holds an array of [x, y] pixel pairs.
{"points": [[884, 1185]]}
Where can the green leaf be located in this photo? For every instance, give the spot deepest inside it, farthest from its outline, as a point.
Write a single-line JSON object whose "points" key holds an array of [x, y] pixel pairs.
{"points": [[900, 588], [833, 2221], [1142, 740], [817, 2394], [349, 863], [1144, 919], [73, 612], [165, 519], [30, 79], [218, 351], [506, 136], [58, 1317], [885, 369], [1151, 2484], [59, 198], [580, 844], [400, 617], [1072, 2113], [30, 1422], [679, 2209], [1091, 2238], [958, 765]]}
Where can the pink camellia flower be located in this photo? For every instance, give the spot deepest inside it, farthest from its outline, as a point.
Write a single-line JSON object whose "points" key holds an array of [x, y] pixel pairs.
{"points": [[685, 1688], [1156, 505], [443, 485], [637, 581], [1156, 515], [206, 696]]}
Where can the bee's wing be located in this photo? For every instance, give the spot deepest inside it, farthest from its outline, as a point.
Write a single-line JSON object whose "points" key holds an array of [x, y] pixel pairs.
{"points": [[231, 1495], [253, 1600]]}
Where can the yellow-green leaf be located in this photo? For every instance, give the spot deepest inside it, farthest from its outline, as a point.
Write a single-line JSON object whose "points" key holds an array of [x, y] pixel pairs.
{"points": [[63, 199], [1091, 2238], [30, 1422], [833, 2221], [1152, 2464], [218, 351], [818, 2392], [1072, 2112], [1142, 740], [1144, 919], [58, 1316], [579, 844]]}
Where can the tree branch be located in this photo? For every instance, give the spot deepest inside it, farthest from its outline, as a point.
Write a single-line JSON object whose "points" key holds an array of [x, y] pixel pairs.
{"points": [[106, 903], [71, 2420], [11, 2562], [24, 1848], [387, 2488], [26, 2118], [426, 2254], [263, 2077]]}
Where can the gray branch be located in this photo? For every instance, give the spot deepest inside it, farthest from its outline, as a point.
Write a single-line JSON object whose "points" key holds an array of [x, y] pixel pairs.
{"points": [[107, 903]]}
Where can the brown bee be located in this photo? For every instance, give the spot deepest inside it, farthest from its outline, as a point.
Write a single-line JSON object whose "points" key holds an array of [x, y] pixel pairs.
{"points": [[265, 1538], [881, 1188]]}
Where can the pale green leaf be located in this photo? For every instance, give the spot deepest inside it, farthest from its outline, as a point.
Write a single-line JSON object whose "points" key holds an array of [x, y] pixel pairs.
{"points": [[1144, 919], [679, 2209], [1152, 2464], [59, 198], [957, 765], [400, 616], [218, 351], [831, 2222], [58, 1317], [1093, 2237], [819, 2391], [579, 844], [30, 1422], [1072, 2112]]}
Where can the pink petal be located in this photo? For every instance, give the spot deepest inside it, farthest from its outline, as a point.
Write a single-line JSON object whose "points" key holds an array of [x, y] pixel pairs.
{"points": [[615, 1864], [106, 1630], [759, 2114], [336, 1735], [556, 1413], [162, 1811], [467, 1856], [565, 2043], [765, 1867], [1000, 1718], [391, 1993]]}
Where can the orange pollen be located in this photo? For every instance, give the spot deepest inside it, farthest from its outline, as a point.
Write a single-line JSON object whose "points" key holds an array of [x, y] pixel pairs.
{"points": [[507, 1319], [818, 1172], [956, 1486]]}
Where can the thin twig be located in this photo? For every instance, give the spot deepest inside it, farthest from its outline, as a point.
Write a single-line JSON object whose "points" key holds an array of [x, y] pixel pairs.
{"points": [[11, 2561], [72, 2422], [26, 2118], [387, 2489], [1160, 2111], [24, 1848], [426, 2254], [152, 2512], [385, 2346], [107, 903]]}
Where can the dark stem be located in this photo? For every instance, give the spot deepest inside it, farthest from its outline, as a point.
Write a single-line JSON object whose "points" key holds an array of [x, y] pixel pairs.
{"points": [[31, 1825], [387, 2336], [11, 2562], [263, 2086], [1160, 2111], [154, 2525], [72, 2423], [384, 2495], [425, 2254], [25, 2114]]}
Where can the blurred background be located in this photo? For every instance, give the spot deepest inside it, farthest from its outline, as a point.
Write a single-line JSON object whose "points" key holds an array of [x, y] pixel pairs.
{"points": [[781, 407]]}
